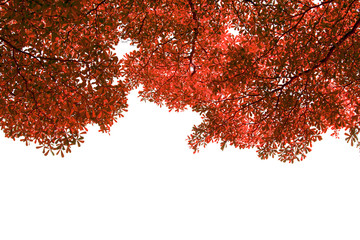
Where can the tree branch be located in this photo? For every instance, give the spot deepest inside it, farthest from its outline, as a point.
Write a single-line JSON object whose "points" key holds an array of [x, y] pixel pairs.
{"points": [[39, 57]]}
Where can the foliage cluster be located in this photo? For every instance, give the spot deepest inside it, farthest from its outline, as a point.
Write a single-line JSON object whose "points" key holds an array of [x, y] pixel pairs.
{"points": [[274, 75]]}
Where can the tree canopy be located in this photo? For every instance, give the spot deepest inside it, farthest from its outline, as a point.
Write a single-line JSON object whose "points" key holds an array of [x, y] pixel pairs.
{"points": [[274, 74]]}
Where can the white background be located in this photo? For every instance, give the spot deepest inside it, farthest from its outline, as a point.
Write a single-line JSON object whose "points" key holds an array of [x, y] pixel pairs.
{"points": [[143, 182]]}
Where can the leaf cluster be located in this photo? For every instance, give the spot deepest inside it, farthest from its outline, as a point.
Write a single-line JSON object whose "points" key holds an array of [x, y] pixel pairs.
{"points": [[271, 75]]}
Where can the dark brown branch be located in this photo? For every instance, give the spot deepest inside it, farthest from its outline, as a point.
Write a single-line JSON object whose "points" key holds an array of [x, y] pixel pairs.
{"points": [[96, 8], [39, 57], [196, 33]]}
